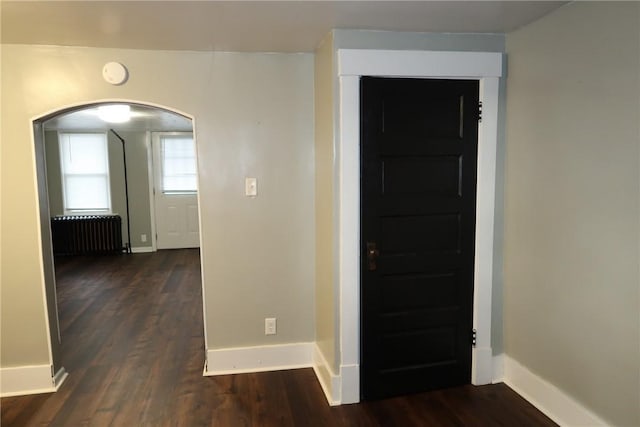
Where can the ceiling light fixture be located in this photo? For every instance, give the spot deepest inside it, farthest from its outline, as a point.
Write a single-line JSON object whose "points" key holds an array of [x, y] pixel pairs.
{"points": [[115, 113]]}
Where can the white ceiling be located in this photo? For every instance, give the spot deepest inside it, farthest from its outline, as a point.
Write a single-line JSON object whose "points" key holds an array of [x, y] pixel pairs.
{"points": [[250, 26], [143, 118]]}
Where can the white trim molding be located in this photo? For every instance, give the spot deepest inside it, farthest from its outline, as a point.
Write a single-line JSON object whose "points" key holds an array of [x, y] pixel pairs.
{"points": [[350, 383], [419, 63], [59, 378], [498, 369], [241, 360], [142, 249], [549, 399], [486, 67], [24, 380], [330, 382]]}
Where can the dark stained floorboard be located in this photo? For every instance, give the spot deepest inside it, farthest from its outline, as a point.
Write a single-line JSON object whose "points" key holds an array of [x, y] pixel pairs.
{"points": [[133, 345]]}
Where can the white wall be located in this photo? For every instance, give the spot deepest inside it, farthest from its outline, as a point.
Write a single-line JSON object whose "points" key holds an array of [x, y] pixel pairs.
{"points": [[253, 117], [571, 297]]}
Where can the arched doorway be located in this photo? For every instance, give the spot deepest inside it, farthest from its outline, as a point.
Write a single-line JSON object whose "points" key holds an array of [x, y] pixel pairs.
{"points": [[130, 184]]}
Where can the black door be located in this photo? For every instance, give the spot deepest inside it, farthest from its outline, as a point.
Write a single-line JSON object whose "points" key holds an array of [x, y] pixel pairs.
{"points": [[418, 196]]}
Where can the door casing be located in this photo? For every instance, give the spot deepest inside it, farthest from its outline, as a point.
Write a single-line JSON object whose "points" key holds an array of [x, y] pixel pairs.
{"points": [[486, 67]]}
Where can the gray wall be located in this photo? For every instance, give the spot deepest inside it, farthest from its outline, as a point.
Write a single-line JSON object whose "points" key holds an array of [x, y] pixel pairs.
{"points": [[369, 39], [253, 118], [572, 204], [138, 182], [137, 174], [54, 179]]}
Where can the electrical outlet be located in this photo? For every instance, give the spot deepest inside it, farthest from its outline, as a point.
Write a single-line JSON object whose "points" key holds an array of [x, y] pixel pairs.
{"points": [[270, 326], [143, 238]]}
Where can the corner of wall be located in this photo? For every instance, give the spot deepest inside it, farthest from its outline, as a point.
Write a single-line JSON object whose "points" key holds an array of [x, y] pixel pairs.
{"points": [[329, 381]]}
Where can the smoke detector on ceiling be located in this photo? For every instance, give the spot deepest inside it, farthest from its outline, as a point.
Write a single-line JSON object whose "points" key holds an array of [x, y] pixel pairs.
{"points": [[115, 73]]}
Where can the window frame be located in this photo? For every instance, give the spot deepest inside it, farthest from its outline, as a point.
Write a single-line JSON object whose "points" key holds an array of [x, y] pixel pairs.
{"points": [[63, 174], [159, 167]]}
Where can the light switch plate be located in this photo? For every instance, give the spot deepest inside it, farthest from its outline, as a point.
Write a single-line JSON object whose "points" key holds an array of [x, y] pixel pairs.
{"points": [[251, 187]]}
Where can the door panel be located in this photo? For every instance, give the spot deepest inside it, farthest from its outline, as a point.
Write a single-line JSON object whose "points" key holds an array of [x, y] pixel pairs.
{"points": [[421, 175], [418, 183], [419, 291], [172, 219], [193, 225], [420, 233], [177, 221]]}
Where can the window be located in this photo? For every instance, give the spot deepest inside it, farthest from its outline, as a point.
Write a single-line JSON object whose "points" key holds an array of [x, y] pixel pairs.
{"points": [[178, 157], [84, 163]]}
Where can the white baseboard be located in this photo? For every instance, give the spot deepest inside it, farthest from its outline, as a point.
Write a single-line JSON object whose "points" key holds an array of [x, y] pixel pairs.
{"points": [[498, 369], [350, 383], [23, 380], [259, 359], [330, 383], [481, 365], [59, 378], [142, 249], [549, 399]]}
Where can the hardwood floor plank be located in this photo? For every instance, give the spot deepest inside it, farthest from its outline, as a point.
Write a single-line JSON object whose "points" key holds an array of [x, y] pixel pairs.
{"points": [[133, 345]]}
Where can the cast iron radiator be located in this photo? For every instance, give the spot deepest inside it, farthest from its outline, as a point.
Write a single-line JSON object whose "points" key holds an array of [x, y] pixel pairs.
{"points": [[86, 234]]}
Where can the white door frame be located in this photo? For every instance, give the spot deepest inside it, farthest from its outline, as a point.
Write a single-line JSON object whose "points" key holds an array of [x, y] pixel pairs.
{"points": [[352, 64], [151, 180]]}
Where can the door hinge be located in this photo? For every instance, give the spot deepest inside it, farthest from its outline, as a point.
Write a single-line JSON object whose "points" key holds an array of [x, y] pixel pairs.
{"points": [[480, 111], [474, 335]]}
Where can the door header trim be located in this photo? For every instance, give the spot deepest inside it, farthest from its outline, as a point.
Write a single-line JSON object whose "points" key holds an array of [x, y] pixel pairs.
{"points": [[411, 63]]}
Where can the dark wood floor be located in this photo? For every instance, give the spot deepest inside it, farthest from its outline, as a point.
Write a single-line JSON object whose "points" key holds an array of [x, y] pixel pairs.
{"points": [[133, 345]]}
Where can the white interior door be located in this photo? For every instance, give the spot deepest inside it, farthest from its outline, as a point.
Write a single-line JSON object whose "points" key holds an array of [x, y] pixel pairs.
{"points": [[175, 190]]}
